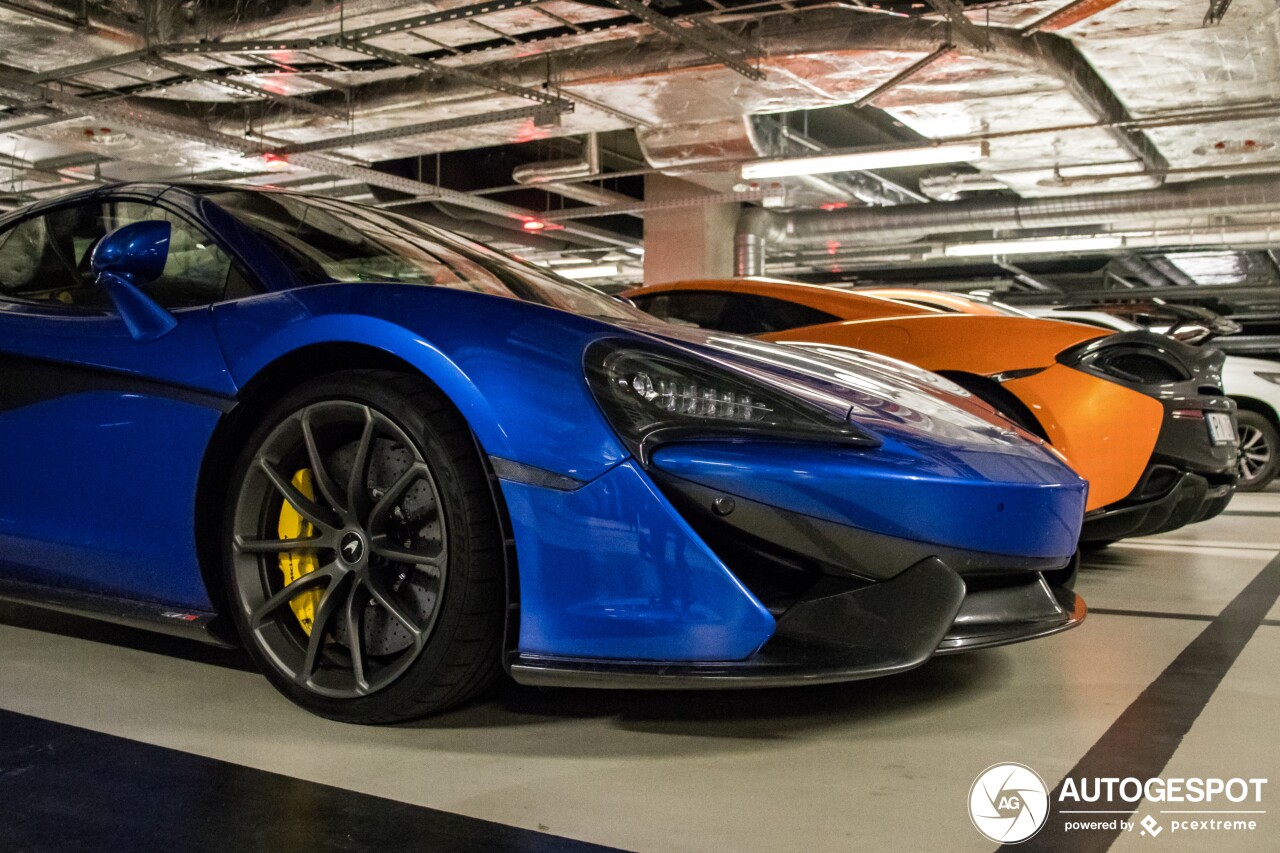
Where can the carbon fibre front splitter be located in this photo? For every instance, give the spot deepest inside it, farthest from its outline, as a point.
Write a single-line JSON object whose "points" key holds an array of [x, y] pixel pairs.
{"points": [[877, 630]]}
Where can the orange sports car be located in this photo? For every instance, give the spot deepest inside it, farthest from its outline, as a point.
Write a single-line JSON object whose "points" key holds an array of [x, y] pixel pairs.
{"points": [[1141, 417]]}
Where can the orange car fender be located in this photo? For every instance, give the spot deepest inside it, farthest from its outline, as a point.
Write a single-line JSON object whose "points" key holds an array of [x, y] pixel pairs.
{"points": [[1107, 433]]}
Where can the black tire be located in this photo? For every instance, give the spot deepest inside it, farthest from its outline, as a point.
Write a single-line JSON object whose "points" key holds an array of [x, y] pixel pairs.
{"points": [[1259, 451], [1096, 545], [406, 573]]}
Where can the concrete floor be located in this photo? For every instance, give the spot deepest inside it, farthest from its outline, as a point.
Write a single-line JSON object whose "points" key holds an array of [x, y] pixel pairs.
{"points": [[884, 765]]}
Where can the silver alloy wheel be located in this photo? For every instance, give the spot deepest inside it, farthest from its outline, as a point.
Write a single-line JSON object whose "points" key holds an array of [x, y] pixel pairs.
{"points": [[378, 541], [1255, 454]]}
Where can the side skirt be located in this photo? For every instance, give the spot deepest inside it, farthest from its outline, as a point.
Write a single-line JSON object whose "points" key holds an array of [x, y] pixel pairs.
{"points": [[202, 625]]}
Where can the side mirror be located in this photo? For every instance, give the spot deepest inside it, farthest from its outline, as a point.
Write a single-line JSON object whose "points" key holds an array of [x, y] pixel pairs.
{"points": [[128, 257]]}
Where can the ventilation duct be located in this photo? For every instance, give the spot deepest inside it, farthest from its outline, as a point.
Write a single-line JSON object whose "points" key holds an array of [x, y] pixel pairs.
{"points": [[549, 172], [1178, 205], [684, 150]]}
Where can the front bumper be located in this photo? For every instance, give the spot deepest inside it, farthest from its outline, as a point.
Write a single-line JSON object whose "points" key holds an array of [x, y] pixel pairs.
{"points": [[655, 585], [876, 630]]}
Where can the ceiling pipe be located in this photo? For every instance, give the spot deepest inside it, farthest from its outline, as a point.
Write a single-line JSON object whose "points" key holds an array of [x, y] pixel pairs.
{"points": [[1244, 237], [1170, 206], [549, 175], [551, 171]]}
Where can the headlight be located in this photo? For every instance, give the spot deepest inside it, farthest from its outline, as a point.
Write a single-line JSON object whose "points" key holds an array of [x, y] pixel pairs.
{"points": [[1270, 377], [652, 395]]}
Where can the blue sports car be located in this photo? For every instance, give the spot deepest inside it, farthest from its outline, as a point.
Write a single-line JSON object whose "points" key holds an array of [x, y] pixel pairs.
{"points": [[393, 463]]}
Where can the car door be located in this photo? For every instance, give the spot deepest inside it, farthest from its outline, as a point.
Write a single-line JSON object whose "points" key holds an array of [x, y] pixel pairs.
{"points": [[102, 436]]}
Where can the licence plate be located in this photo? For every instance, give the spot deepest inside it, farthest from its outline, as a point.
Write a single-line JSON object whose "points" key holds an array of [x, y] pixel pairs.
{"points": [[1221, 430]]}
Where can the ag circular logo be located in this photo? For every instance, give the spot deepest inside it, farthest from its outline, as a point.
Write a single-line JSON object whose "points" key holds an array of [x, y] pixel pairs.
{"points": [[1008, 803]]}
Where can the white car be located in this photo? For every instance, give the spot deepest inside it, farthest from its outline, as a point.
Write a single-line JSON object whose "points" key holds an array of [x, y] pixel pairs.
{"points": [[1254, 384]]}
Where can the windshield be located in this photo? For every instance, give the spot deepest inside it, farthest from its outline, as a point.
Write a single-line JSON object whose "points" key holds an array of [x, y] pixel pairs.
{"points": [[324, 240]]}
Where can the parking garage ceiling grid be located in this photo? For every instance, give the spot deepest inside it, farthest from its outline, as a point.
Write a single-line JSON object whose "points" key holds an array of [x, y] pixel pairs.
{"points": [[429, 109]]}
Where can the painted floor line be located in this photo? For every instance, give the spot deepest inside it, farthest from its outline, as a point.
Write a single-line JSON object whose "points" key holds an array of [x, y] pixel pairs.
{"points": [[130, 795], [1143, 739]]}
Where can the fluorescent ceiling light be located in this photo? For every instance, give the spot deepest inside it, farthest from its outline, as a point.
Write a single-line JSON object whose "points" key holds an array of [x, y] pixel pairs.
{"points": [[1034, 247], [580, 273], [857, 161]]}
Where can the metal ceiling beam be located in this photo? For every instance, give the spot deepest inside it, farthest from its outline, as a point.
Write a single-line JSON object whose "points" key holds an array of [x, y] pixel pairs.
{"points": [[953, 11], [434, 69], [476, 120], [254, 46], [103, 64], [1022, 276], [46, 17], [903, 76], [705, 37], [443, 17], [1070, 66], [235, 85], [1217, 11], [664, 204], [1173, 292], [176, 128]]}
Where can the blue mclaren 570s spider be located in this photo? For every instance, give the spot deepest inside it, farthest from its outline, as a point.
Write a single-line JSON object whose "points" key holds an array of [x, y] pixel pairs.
{"points": [[393, 464]]}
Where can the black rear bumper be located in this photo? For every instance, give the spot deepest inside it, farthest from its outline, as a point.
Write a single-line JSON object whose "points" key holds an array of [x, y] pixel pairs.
{"points": [[1192, 498], [846, 635], [1189, 477]]}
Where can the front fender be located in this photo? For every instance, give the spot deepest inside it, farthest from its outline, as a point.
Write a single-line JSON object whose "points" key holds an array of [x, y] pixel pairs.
{"points": [[513, 370]]}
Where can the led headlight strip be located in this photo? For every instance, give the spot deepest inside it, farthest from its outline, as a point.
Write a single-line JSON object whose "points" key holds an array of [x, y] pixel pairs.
{"points": [[653, 395]]}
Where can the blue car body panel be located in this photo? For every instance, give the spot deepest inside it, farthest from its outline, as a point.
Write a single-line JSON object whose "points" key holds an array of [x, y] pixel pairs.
{"points": [[100, 492], [513, 369], [611, 570], [101, 460], [101, 479], [899, 494]]}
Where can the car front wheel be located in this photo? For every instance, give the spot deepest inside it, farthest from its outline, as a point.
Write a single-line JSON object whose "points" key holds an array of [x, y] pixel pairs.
{"points": [[363, 555]]}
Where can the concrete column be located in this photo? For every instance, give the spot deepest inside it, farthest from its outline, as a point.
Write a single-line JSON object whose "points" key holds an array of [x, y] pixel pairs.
{"points": [[686, 242]]}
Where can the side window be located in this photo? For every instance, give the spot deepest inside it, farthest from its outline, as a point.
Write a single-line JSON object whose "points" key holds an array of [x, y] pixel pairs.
{"points": [[704, 310], [740, 313], [779, 315], [46, 258], [197, 270]]}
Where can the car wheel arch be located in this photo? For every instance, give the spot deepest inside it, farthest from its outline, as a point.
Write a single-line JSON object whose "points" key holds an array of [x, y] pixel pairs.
{"points": [[1253, 404], [256, 398]]}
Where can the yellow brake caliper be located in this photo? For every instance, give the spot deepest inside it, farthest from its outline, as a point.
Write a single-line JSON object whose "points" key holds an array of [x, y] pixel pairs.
{"points": [[295, 564]]}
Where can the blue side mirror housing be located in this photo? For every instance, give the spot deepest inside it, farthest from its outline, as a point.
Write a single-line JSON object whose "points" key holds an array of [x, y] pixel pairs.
{"points": [[128, 257]]}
